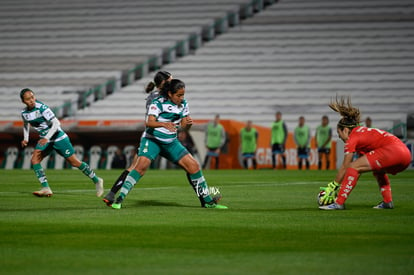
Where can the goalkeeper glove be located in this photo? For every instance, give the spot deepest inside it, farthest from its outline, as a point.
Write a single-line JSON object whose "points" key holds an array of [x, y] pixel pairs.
{"points": [[331, 192]]}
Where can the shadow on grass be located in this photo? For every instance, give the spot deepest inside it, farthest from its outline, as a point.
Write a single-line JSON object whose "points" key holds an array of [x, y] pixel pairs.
{"points": [[143, 203]]}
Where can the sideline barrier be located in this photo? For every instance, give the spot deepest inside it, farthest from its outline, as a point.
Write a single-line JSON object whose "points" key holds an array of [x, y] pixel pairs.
{"points": [[107, 132]]}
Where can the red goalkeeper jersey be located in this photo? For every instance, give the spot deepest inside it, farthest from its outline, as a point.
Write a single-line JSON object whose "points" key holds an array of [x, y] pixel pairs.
{"points": [[384, 151], [363, 140]]}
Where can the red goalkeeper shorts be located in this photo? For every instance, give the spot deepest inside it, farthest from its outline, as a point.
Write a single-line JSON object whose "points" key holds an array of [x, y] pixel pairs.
{"points": [[392, 158]]}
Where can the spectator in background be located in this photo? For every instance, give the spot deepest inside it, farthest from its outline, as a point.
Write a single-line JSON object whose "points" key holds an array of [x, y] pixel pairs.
{"points": [[302, 139], [279, 136], [215, 137], [323, 138], [249, 137], [368, 122], [119, 160]]}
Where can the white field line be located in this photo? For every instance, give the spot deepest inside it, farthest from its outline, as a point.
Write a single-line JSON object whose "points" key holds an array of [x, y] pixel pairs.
{"points": [[247, 184]]}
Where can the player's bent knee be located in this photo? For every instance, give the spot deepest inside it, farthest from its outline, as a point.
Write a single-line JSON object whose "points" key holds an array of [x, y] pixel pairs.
{"points": [[36, 157]]}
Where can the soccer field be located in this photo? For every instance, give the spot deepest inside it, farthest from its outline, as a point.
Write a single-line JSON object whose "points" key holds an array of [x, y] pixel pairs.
{"points": [[272, 226]]}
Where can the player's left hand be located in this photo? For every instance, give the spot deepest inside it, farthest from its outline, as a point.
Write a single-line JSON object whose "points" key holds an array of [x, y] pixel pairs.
{"points": [[331, 192], [24, 143], [187, 122]]}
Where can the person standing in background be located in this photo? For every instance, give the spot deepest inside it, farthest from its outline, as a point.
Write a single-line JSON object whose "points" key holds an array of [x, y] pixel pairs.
{"points": [[323, 138], [279, 136], [215, 137], [249, 137], [302, 138], [368, 122]]}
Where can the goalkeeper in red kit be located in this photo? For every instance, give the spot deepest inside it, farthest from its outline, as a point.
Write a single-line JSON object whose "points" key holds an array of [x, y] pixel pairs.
{"points": [[378, 150]]}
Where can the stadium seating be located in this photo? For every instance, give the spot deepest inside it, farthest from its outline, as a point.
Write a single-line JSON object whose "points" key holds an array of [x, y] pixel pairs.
{"points": [[95, 154], [11, 155], [295, 57], [27, 157], [90, 48]]}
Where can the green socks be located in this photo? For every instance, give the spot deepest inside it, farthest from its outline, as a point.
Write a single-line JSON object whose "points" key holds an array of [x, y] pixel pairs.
{"points": [[200, 185], [88, 172], [132, 178], [40, 174]]}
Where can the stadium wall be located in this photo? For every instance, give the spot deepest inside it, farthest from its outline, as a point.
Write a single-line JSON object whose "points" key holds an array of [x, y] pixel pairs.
{"points": [[127, 133]]}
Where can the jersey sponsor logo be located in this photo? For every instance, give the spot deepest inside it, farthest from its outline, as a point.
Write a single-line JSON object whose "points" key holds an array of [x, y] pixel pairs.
{"points": [[32, 115], [145, 148], [48, 114], [348, 186]]}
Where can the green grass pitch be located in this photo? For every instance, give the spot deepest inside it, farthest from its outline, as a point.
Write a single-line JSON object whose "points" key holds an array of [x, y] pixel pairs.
{"points": [[272, 226]]}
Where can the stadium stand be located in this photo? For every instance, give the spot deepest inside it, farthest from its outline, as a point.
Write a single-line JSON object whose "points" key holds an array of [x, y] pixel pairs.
{"points": [[294, 57], [90, 59], [110, 153], [95, 154], [11, 156], [82, 50]]}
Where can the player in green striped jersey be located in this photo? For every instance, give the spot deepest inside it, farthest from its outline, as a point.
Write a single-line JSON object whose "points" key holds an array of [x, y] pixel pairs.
{"points": [[164, 115], [153, 90], [52, 137]]}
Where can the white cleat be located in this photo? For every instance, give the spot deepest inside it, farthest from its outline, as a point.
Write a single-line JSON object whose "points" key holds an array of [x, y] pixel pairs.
{"points": [[384, 205], [99, 188], [44, 192], [332, 206]]}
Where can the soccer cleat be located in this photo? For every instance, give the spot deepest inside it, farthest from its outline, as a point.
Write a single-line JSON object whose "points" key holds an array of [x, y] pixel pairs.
{"points": [[44, 192], [108, 201], [99, 187], [116, 206], [215, 205], [215, 194], [384, 205], [332, 206]]}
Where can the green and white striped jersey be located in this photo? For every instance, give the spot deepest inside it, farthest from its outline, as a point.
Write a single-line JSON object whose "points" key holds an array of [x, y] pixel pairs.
{"points": [[165, 111], [40, 119]]}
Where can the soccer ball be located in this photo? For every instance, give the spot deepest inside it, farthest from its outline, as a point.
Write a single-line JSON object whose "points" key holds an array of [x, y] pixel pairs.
{"points": [[319, 197], [215, 194]]}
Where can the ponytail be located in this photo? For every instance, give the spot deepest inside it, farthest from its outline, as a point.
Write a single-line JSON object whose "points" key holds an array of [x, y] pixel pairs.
{"points": [[350, 115], [159, 80], [150, 87]]}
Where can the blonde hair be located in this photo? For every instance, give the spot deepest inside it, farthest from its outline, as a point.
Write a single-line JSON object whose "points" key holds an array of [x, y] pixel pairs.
{"points": [[351, 116]]}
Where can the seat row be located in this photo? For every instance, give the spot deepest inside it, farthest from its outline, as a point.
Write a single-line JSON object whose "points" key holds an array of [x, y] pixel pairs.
{"points": [[92, 48], [96, 156]]}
